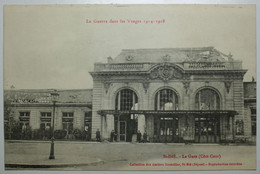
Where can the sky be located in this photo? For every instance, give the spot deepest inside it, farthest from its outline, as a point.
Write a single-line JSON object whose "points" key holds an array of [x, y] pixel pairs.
{"points": [[52, 46]]}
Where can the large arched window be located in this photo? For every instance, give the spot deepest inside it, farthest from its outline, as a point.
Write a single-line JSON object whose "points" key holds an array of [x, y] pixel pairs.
{"points": [[126, 99], [207, 99], [166, 99]]}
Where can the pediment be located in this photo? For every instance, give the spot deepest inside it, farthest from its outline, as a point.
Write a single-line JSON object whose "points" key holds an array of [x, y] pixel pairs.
{"points": [[166, 72]]}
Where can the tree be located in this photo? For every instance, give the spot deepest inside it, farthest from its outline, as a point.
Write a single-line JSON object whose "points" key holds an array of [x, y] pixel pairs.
{"points": [[7, 118]]}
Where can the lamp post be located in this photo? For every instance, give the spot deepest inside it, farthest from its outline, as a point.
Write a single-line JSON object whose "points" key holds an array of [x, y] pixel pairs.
{"points": [[54, 96]]}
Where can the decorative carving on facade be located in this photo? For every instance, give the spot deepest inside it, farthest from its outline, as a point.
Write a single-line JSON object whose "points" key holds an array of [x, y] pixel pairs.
{"points": [[129, 66], [206, 65], [73, 96], [228, 85], [101, 77], [177, 74], [166, 58], [186, 77], [129, 58], [109, 59], [107, 85], [234, 76], [186, 85], [146, 86], [230, 57], [154, 74], [165, 72]]}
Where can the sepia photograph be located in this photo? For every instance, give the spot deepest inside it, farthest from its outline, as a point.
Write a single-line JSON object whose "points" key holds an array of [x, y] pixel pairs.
{"points": [[124, 87]]}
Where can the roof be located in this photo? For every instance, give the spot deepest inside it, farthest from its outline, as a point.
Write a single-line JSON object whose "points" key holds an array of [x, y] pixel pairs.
{"points": [[250, 90], [173, 113], [201, 54], [44, 96]]}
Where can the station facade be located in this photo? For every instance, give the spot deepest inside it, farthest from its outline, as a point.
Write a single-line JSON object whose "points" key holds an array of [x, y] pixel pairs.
{"points": [[175, 95]]}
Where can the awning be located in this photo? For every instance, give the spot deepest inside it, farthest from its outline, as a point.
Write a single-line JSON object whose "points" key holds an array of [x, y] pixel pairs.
{"points": [[171, 112]]}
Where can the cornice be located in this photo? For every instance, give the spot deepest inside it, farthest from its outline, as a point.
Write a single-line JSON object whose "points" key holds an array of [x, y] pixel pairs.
{"points": [[89, 104], [228, 74], [108, 73]]}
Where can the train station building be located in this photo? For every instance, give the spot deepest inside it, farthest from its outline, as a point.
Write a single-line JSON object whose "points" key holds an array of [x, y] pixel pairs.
{"points": [[175, 95]]}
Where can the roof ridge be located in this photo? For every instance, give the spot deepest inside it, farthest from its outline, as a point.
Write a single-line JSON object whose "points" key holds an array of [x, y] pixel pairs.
{"points": [[181, 49]]}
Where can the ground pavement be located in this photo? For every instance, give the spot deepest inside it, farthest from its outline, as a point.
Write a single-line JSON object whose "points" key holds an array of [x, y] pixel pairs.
{"points": [[71, 155]]}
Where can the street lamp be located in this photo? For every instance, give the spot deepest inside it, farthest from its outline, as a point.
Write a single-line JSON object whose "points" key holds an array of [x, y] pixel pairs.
{"points": [[54, 96]]}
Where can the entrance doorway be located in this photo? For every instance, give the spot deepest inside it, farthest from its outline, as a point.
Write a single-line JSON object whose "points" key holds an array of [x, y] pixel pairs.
{"points": [[123, 126], [207, 129], [166, 129], [127, 127]]}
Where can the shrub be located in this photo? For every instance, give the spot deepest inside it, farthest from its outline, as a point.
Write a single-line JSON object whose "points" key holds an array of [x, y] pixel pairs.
{"points": [[16, 131], [37, 134], [40, 134], [27, 133], [78, 134], [7, 130], [60, 134], [47, 134]]}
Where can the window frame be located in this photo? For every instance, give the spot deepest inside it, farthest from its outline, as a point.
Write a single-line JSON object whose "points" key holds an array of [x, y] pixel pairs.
{"points": [[126, 99], [68, 120], [163, 99], [253, 121], [200, 96]]}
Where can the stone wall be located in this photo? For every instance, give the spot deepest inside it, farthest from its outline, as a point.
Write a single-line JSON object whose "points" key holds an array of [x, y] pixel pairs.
{"points": [[231, 98], [248, 121], [98, 92]]}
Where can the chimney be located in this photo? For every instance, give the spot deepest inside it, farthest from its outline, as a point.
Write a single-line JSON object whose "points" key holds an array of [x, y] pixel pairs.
{"points": [[109, 59]]}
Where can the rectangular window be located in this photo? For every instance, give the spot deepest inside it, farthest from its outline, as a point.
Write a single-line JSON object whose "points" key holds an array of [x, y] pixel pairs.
{"points": [[239, 127], [88, 117], [45, 120], [253, 120], [67, 114], [24, 125], [24, 119], [45, 114], [24, 114], [68, 126], [45, 125], [67, 121], [253, 111]]}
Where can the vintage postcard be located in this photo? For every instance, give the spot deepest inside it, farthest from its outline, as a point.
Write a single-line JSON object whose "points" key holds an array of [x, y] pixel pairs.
{"points": [[130, 87]]}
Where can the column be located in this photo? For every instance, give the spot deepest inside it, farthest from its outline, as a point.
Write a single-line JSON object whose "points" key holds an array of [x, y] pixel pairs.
{"points": [[150, 126], [110, 125], [158, 101], [118, 128], [118, 101], [103, 128], [141, 123], [233, 128]]}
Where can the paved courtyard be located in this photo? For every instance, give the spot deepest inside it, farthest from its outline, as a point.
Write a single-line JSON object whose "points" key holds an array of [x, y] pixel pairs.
{"points": [[127, 156]]}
